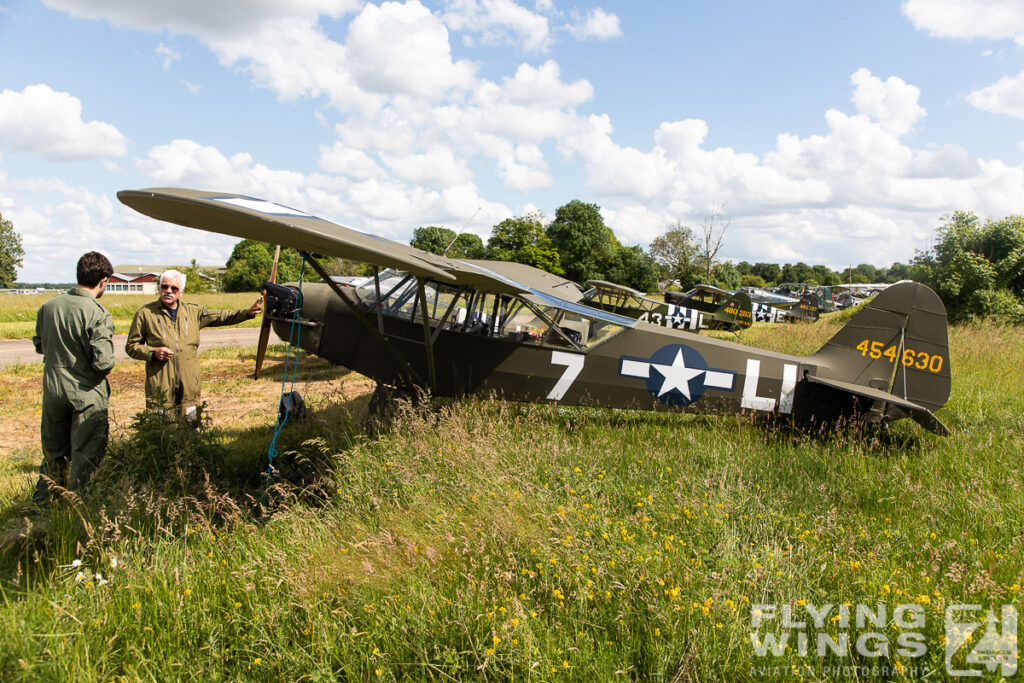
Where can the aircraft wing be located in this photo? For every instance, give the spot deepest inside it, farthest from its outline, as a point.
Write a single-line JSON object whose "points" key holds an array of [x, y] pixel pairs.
{"points": [[614, 287], [257, 219], [248, 217], [712, 289]]}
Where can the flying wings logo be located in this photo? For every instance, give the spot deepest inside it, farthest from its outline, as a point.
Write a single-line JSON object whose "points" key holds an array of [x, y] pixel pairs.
{"points": [[994, 647], [677, 375]]}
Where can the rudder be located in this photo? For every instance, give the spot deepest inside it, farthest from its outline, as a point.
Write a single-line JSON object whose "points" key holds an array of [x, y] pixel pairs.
{"points": [[898, 344]]}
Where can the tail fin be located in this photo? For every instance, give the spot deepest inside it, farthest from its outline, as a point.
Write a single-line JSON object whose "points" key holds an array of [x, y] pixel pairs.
{"points": [[896, 348], [807, 308], [736, 310]]}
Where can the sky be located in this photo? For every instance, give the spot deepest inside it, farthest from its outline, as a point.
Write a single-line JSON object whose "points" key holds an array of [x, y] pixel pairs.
{"points": [[832, 133]]}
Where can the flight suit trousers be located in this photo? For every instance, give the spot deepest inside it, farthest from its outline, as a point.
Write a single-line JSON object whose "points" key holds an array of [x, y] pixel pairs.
{"points": [[74, 442]]}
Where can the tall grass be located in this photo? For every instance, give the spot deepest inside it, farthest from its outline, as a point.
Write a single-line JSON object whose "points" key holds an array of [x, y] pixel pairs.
{"points": [[495, 541]]}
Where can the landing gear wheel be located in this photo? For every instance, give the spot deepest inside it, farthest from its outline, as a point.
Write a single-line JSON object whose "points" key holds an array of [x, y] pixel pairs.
{"points": [[384, 406]]}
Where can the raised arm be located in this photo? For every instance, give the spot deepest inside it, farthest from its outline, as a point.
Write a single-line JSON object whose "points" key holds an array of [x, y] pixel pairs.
{"points": [[208, 318]]}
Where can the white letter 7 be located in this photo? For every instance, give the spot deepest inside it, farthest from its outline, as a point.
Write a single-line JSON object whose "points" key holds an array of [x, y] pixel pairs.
{"points": [[573, 367]]}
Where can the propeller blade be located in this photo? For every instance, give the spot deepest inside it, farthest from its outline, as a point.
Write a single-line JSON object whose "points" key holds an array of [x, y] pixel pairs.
{"points": [[261, 350]]}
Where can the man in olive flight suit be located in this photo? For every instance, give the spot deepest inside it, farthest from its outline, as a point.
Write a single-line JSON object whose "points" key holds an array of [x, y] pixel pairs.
{"points": [[75, 334], [165, 334]]}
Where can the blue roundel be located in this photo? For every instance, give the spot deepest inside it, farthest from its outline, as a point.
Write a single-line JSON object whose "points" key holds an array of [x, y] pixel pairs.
{"points": [[676, 377]]}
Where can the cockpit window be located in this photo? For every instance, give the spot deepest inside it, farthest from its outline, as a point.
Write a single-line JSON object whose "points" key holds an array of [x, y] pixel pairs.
{"points": [[500, 316]]}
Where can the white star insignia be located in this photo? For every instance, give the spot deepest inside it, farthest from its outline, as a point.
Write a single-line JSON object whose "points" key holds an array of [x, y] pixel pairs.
{"points": [[677, 376]]}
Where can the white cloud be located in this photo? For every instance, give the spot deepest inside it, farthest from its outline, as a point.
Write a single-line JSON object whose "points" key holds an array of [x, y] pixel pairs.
{"points": [[41, 121], [855, 193], [186, 163], [541, 87], [437, 167], [413, 127], [966, 19], [294, 59], [349, 163], [893, 103], [201, 17], [390, 51], [947, 161], [167, 55], [595, 24], [369, 201], [59, 222], [403, 49], [193, 88], [499, 22], [1005, 96]]}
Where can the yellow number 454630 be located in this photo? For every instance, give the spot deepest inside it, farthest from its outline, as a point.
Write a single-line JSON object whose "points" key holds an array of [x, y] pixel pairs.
{"points": [[911, 358]]}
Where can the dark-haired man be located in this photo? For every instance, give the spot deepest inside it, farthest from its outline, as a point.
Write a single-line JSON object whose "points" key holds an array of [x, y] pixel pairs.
{"points": [[75, 334]]}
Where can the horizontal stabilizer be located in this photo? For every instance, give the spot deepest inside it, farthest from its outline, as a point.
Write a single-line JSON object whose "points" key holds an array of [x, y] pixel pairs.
{"points": [[919, 414]]}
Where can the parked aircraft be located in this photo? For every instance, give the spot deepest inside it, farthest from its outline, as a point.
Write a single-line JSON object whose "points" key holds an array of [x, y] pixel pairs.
{"points": [[464, 327], [731, 312]]}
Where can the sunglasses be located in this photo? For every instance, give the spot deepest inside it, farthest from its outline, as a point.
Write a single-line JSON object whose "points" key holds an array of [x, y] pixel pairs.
{"points": [[171, 288]]}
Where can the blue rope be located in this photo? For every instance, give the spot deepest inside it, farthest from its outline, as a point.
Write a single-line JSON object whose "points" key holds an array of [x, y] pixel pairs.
{"points": [[292, 345]]}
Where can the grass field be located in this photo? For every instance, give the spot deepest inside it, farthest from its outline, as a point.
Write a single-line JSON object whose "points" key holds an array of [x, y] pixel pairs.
{"points": [[18, 311], [483, 540]]}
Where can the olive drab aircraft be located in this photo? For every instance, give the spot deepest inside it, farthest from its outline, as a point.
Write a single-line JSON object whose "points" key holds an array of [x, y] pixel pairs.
{"points": [[799, 290], [729, 312], [771, 307], [489, 328]]}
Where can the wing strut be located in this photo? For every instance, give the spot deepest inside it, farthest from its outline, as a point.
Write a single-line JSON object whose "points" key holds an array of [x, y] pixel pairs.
{"points": [[377, 302], [361, 317], [422, 292]]}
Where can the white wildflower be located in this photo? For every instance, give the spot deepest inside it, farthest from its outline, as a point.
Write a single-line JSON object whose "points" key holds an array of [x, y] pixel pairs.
{"points": [[79, 577], [76, 563], [113, 563]]}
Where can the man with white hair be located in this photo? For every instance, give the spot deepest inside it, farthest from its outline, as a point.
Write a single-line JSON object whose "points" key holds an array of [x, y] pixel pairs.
{"points": [[165, 334]]}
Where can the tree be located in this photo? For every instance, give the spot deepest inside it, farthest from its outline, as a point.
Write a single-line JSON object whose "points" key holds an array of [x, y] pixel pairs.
{"points": [[467, 245], [727, 276], [896, 272], [11, 253], [977, 270], [769, 272], [633, 268], [197, 279], [523, 240], [675, 250], [444, 242], [432, 238], [824, 275], [801, 272], [752, 281], [585, 244], [709, 243], [249, 265]]}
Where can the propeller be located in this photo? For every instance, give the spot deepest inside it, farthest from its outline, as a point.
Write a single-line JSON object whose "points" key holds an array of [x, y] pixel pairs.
{"points": [[261, 350]]}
